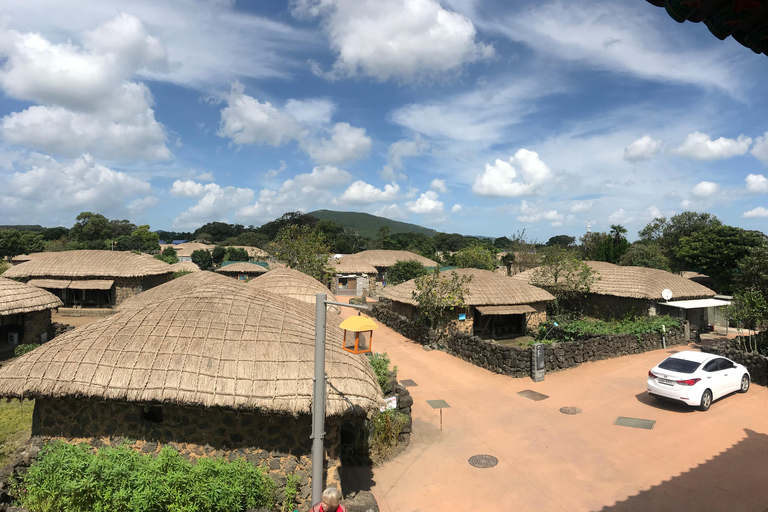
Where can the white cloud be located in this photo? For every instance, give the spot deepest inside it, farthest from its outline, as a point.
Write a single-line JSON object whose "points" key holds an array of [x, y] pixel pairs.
{"points": [[756, 213], [313, 111], [581, 206], [438, 186], [392, 211], [67, 189], [705, 189], [213, 205], [523, 175], [530, 213], [274, 172], [643, 148], [361, 192], [347, 143], [457, 208], [653, 212], [760, 149], [427, 204], [187, 188], [140, 205], [404, 40], [619, 217], [757, 183], [247, 121], [700, 146], [405, 148], [86, 101]]}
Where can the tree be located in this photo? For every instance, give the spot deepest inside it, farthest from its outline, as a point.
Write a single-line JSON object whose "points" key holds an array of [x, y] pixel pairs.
{"points": [[645, 255], [563, 275], [716, 251], [218, 254], [611, 248], [589, 245], [752, 272], [382, 238], [303, 249], [475, 256], [617, 232], [564, 241], [144, 239], [439, 295], [748, 309], [168, 255], [14, 242], [668, 233], [236, 254], [202, 259], [403, 271]]}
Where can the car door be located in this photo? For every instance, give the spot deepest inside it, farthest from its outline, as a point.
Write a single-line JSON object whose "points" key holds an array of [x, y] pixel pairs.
{"points": [[731, 376], [715, 377]]}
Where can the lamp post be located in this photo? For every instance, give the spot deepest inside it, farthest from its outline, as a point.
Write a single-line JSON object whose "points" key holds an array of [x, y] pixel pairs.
{"points": [[318, 396]]}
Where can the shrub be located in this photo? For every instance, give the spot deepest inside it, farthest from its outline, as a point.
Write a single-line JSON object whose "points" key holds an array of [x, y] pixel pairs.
{"points": [[24, 348], [180, 273], [291, 493], [380, 364], [569, 330], [388, 426], [72, 478]]}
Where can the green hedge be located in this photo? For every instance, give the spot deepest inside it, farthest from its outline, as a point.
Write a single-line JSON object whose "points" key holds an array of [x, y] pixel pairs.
{"points": [[73, 478], [569, 330]]}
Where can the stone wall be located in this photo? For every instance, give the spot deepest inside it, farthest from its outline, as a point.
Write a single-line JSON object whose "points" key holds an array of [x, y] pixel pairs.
{"points": [[279, 443], [757, 364], [127, 287], [37, 323]]}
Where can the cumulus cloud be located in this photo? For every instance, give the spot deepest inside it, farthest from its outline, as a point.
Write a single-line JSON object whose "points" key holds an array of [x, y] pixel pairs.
{"points": [[760, 149], [404, 40], [187, 188], [274, 172], [68, 188], [427, 204], [757, 184], [313, 111], [522, 175], [531, 214], [619, 217], [214, 202], [361, 192], [700, 146], [705, 189], [756, 213], [406, 148], [393, 212], [643, 148], [346, 144], [438, 186], [457, 208], [85, 98], [581, 206]]}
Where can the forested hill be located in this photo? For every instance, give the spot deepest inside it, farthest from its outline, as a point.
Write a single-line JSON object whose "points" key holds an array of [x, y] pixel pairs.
{"points": [[368, 225]]}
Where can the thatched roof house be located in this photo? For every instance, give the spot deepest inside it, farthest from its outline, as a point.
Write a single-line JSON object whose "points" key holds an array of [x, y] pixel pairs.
{"points": [[498, 305], [181, 287], [184, 251], [185, 266], [92, 278], [25, 314], [231, 372], [384, 259], [351, 276], [294, 284], [242, 270]]}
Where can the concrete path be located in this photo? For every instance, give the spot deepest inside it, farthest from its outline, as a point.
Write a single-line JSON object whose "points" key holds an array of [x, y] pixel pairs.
{"points": [[550, 461]]}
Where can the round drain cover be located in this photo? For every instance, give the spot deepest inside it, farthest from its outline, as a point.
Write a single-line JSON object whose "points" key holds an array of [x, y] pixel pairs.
{"points": [[483, 461], [570, 410]]}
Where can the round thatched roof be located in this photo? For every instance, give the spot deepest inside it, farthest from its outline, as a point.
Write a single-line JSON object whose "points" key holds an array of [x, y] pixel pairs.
{"points": [[16, 298], [292, 283], [637, 282], [387, 258], [181, 287], [86, 264], [348, 264], [242, 267], [486, 289], [185, 265], [248, 351]]}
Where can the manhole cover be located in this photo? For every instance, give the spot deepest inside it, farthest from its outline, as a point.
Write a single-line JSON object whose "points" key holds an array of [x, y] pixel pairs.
{"points": [[634, 423], [483, 461], [408, 383], [533, 395], [570, 410]]}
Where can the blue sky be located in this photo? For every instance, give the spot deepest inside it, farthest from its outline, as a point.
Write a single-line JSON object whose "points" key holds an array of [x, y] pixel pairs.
{"points": [[481, 118]]}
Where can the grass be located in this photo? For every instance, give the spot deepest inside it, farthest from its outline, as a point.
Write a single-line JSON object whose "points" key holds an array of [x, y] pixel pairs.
{"points": [[15, 427]]}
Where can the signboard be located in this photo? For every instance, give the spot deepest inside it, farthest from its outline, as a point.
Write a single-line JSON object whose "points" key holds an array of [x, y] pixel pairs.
{"points": [[462, 316], [391, 403]]}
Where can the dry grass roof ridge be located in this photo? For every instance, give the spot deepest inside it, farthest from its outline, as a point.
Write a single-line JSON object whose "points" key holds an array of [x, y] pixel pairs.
{"points": [[17, 298], [387, 258], [87, 263], [242, 266]]}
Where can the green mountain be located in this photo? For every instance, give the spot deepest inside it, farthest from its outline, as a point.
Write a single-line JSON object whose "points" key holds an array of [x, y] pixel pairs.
{"points": [[368, 225]]}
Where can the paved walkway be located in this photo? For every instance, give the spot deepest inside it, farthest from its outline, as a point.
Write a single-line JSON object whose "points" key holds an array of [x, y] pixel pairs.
{"points": [[549, 461]]}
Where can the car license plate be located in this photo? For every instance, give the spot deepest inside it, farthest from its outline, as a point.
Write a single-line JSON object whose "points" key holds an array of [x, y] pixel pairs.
{"points": [[667, 382]]}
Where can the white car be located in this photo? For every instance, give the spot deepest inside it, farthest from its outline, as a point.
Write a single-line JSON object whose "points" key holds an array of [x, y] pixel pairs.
{"points": [[697, 378]]}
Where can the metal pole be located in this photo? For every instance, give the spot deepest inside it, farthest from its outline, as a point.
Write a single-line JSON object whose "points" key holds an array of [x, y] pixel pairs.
{"points": [[318, 400]]}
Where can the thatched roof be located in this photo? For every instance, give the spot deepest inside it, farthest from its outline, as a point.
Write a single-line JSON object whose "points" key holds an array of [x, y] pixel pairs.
{"points": [[253, 252], [486, 289], [242, 267], [637, 282], [385, 258], [86, 264], [185, 265], [186, 249], [16, 298], [246, 351], [348, 264], [181, 287], [294, 284]]}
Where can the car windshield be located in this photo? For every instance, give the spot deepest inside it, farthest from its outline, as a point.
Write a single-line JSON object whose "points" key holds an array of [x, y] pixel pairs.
{"points": [[674, 364]]}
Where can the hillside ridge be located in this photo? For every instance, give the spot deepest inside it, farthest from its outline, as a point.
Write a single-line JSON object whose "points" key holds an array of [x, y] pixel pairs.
{"points": [[368, 225]]}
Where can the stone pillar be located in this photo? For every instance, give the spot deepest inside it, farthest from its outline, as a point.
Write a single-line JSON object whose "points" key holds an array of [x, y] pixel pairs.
{"points": [[538, 369]]}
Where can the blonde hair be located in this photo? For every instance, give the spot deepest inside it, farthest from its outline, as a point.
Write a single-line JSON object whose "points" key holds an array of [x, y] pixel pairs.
{"points": [[331, 496]]}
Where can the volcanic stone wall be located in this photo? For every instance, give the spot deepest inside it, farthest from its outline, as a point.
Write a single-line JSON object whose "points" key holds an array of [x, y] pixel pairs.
{"points": [[757, 364]]}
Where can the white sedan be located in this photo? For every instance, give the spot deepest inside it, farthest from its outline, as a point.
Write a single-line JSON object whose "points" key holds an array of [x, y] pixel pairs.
{"points": [[697, 378]]}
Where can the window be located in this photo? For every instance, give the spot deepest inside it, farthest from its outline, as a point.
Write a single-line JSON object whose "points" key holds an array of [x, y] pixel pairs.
{"points": [[675, 364]]}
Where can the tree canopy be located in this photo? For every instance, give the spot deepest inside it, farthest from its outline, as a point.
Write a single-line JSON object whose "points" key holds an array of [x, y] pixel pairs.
{"points": [[440, 295], [303, 249], [403, 271], [474, 256], [563, 275], [202, 259]]}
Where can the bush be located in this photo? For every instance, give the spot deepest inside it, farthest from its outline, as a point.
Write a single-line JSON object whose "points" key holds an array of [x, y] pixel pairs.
{"points": [[72, 478], [388, 426], [380, 364], [180, 273], [569, 330], [24, 348], [291, 493]]}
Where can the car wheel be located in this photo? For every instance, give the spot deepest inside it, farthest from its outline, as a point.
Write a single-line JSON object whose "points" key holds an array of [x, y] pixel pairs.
{"points": [[744, 384], [706, 400]]}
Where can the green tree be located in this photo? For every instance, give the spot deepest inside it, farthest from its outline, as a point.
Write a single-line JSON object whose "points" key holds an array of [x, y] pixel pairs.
{"points": [[303, 249], [591, 245], [563, 275], [218, 254], [564, 241], [202, 259], [403, 271], [749, 309], [439, 295], [475, 256], [14, 242], [168, 255], [647, 255], [144, 239], [752, 272], [668, 233], [236, 254], [716, 251]]}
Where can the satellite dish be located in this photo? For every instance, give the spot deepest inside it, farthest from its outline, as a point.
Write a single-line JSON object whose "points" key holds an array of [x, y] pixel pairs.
{"points": [[666, 294]]}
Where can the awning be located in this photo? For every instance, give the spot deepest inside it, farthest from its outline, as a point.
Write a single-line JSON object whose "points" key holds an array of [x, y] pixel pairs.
{"points": [[505, 310], [92, 284], [60, 284], [696, 303]]}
